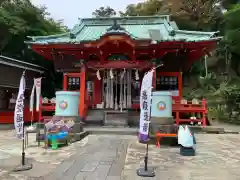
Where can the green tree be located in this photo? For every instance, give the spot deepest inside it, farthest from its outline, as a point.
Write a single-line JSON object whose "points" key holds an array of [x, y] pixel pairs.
{"points": [[104, 12], [20, 18], [189, 14], [232, 28], [202, 14], [147, 8], [227, 4]]}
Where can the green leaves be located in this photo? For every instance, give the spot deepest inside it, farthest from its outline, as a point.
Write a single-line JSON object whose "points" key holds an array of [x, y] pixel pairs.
{"points": [[20, 18], [104, 12], [232, 28], [147, 8]]}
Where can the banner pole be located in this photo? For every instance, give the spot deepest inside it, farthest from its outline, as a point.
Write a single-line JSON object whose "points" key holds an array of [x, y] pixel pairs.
{"points": [[23, 143], [146, 171], [23, 166], [146, 155]]}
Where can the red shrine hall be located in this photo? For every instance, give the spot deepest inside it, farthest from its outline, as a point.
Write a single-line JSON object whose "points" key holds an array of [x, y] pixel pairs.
{"points": [[105, 58]]}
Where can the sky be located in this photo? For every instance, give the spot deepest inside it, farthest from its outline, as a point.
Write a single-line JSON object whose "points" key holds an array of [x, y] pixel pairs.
{"points": [[70, 10]]}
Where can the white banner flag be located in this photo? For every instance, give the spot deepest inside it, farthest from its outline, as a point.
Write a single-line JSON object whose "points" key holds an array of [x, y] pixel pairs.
{"points": [[37, 84], [145, 105], [19, 109], [32, 99]]}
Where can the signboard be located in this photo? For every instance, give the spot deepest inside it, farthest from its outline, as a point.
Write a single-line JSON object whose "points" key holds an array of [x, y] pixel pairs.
{"points": [[19, 109], [145, 106]]}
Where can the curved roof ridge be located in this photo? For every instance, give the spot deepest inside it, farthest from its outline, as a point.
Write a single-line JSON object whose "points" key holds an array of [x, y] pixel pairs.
{"points": [[126, 17], [49, 36], [21, 64], [77, 28], [197, 32], [91, 29]]}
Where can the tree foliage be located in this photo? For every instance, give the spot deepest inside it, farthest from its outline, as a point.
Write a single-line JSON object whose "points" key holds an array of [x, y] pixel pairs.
{"points": [[232, 28], [20, 18], [189, 14], [104, 12], [147, 8]]}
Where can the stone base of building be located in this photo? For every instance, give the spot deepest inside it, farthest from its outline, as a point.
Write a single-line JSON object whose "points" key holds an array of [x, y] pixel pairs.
{"points": [[115, 118], [163, 125]]}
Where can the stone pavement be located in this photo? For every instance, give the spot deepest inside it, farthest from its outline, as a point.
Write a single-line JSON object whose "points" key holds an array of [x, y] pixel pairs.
{"points": [[218, 157], [116, 157], [102, 158], [43, 160]]}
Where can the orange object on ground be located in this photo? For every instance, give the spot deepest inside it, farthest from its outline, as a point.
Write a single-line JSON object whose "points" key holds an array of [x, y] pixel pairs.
{"points": [[160, 135]]}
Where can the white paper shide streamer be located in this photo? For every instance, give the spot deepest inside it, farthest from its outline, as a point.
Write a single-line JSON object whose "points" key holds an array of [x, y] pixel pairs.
{"points": [[19, 109]]}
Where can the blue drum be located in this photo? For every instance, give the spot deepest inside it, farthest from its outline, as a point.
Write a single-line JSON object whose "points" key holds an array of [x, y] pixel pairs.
{"points": [[67, 103]]}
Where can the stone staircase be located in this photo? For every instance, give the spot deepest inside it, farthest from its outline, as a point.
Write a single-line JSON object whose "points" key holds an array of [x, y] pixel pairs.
{"points": [[133, 118], [116, 118], [96, 117]]}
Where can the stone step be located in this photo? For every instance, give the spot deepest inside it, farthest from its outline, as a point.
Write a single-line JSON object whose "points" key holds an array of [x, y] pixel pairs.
{"points": [[115, 118]]}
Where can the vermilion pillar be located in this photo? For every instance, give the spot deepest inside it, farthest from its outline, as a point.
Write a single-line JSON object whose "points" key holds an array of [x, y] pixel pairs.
{"points": [[65, 83], [97, 92], [180, 85], [82, 96]]}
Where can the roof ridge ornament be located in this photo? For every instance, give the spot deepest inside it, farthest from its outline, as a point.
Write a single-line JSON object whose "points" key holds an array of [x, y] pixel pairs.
{"points": [[72, 36], [172, 33], [116, 27]]}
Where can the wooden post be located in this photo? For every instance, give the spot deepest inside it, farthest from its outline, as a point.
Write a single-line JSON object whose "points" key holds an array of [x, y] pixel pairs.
{"points": [[82, 96], [177, 118], [40, 110], [97, 92], [40, 118], [180, 85], [204, 104], [65, 82]]}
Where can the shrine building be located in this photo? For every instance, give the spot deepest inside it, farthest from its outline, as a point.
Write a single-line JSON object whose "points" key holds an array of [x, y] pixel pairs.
{"points": [[105, 58]]}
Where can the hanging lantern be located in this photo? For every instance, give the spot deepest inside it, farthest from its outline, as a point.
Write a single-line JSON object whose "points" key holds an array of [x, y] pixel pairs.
{"points": [[98, 75], [136, 75]]}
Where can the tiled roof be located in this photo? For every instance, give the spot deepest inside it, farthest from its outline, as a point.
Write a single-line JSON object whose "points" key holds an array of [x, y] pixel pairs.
{"points": [[91, 29], [21, 64]]}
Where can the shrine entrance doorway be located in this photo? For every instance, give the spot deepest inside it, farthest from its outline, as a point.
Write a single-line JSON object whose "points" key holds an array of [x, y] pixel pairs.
{"points": [[117, 89]]}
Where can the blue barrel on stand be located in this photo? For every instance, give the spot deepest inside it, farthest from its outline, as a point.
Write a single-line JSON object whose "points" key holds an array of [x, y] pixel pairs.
{"points": [[67, 103], [161, 111]]}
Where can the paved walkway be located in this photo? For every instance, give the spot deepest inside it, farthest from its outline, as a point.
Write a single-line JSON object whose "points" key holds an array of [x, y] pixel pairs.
{"points": [[218, 157], [116, 157], [102, 158]]}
